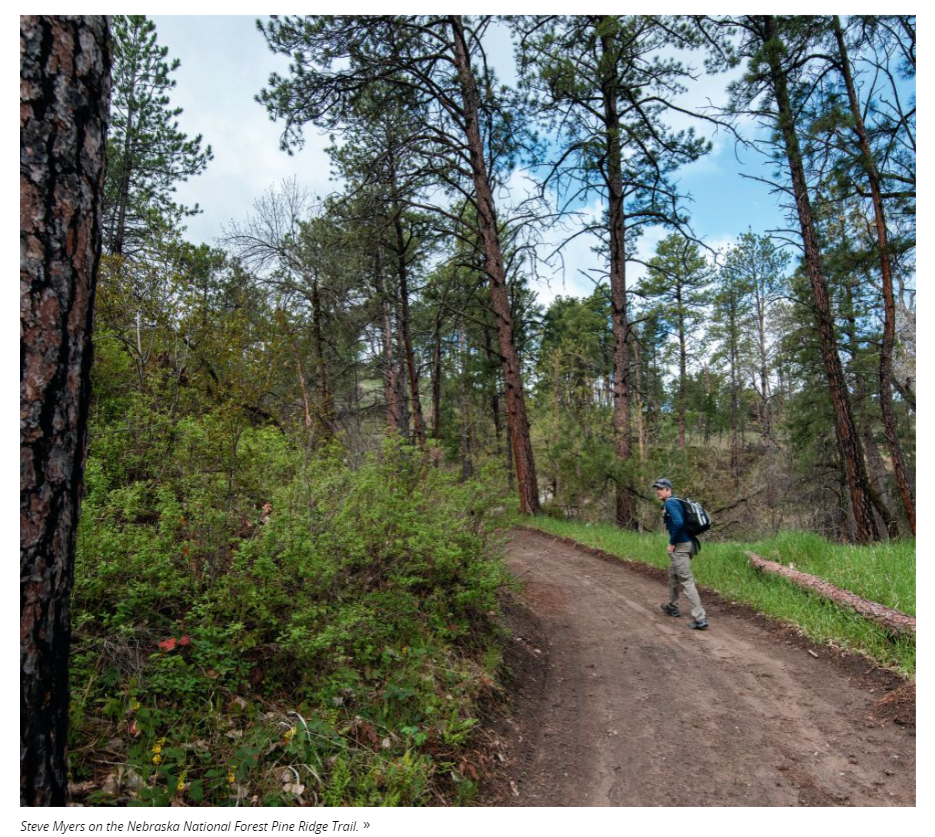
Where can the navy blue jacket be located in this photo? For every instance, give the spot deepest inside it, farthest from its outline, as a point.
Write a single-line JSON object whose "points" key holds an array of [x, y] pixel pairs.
{"points": [[675, 521]]}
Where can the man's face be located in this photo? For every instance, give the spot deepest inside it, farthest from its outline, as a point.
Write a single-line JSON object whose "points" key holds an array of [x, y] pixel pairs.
{"points": [[663, 493]]}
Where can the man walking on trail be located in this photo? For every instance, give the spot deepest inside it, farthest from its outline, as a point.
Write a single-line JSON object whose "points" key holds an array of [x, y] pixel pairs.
{"points": [[681, 549]]}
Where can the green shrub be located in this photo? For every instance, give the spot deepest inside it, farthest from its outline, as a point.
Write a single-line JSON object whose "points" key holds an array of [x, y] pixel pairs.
{"points": [[359, 604]]}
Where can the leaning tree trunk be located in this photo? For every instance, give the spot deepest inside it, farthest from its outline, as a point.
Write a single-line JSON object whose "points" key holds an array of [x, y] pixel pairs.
{"points": [[889, 304], [517, 421], [64, 97], [848, 439], [623, 448]]}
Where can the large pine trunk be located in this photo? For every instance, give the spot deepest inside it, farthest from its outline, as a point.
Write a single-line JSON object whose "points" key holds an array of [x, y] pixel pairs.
{"points": [[845, 428], [517, 421], [64, 96], [625, 506]]}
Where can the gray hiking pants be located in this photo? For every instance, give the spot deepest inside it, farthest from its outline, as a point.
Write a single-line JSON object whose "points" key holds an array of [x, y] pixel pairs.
{"points": [[681, 578]]}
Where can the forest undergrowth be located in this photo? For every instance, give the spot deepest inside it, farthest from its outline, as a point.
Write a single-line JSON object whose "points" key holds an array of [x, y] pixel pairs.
{"points": [[286, 632]]}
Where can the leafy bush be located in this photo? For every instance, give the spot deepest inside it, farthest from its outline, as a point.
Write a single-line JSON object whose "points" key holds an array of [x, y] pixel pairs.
{"points": [[279, 629]]}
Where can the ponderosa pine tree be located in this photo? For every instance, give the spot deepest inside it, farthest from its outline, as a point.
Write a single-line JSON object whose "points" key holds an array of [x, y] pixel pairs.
{"points": [[606, 89], [64, 94], [676, 283], [865, 157], [461, 128], [374, 160], [777, 49], [731, 309], [147, 154]]}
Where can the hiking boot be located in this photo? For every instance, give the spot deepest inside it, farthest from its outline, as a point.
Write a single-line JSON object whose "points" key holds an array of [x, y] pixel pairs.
{"points": [[698, 625], [670, 609]]}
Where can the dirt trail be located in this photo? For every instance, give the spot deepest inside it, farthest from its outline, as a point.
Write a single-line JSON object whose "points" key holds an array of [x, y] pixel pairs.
{"points": [[621, 705]]}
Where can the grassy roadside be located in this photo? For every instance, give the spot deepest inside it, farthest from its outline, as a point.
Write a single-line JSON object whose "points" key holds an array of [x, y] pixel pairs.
{"points": [[884, 573]]}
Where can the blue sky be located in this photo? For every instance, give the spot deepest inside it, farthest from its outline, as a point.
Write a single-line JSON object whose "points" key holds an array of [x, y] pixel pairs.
{"points": [[225, 62]]}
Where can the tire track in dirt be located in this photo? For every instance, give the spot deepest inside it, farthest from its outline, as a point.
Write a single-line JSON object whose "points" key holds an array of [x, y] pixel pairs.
{"points": [[622, 705]]}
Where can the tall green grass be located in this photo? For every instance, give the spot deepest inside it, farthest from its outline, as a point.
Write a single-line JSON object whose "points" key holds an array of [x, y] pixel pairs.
{"points": [[884, 573]]}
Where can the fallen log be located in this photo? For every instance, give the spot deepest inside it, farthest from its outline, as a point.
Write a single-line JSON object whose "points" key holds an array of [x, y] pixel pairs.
{"points": [[890, 619]]}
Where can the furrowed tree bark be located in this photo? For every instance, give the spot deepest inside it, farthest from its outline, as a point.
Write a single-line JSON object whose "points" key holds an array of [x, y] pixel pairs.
{"points": [[64, 98], [845, 429], [517, 421], [889, 305], [625, 503]]}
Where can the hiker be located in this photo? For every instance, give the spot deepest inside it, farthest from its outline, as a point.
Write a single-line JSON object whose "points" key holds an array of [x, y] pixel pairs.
{"points": [[681, 549]]}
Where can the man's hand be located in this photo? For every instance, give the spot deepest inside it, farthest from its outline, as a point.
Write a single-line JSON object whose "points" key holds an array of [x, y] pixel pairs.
{"points": [[671, 548]]}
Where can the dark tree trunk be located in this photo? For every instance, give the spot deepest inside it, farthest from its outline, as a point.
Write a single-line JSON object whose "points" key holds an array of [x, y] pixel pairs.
{"points": [[638, 374], [848, 439], [517, 420], [889, 304], [683, 365], [402, 399], [467, 463], [403, 273], [390, 387], [625, 506], [325, 394], [123, 198], [64, 96], [437, 378], [734, 395]]}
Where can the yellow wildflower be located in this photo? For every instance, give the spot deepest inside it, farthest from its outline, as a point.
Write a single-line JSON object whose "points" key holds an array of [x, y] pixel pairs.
{"points": [[230, 777], [157, 759]]}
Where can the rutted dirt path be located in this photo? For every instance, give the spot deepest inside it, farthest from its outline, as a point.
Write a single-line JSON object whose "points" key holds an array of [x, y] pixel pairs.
{"points": [[620, 705]]}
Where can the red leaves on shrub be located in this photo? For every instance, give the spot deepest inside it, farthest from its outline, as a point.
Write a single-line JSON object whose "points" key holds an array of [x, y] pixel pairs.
{"points": [[170, 643]]}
